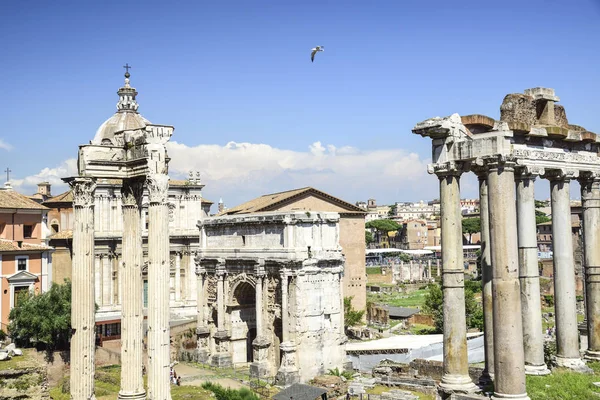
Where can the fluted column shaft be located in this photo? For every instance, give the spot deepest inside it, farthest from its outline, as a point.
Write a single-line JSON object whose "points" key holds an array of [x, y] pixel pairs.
{"points": [[565, 306], [509, 359], [82, 291], [486, 278], [529, 277], [590, 196], [221, 300], [259, 305], [285, 335], [456, 365], [132, 317], [201, 300], [158, 289]]}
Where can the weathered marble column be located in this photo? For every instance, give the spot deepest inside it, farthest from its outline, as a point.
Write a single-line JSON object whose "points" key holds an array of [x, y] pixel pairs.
{"points": [[158, 289], [260, 366], [590, 198], [456, 366], [222, 358], [565, 302], [509, 359], [202, 331], [132, 317], [178, 276], [82, 291], [529, 276], [288, 371], [486, 279]]}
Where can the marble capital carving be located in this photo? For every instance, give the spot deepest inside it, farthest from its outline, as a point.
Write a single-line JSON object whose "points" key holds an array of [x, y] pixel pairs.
{"points": [[83, 192], [561, 174], [529, 172], [131, 193], [158, 187], [452, 168]]}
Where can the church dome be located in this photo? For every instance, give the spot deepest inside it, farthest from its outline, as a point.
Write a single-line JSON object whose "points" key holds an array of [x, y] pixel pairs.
{"points": [[126, 118]]}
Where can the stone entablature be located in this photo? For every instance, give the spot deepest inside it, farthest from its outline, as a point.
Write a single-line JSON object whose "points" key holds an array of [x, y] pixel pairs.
{"points": [[272, 281]]}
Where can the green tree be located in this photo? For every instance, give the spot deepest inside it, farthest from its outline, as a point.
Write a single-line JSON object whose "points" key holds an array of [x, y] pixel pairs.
{"points": [[540, 203], [541, 217], [382, 227], [43, 318], [471, 226], [368, 238], [351, 316], [434, 301], [393, 210]]}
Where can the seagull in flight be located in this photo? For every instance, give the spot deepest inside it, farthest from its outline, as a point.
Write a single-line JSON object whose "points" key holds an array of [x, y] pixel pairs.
{"points": [[314, 51]]}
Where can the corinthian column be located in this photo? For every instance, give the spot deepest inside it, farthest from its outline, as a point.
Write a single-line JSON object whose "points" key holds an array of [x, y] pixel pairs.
{"points": [[565, 303], [202, 330], [590, 197], [260, 366], [288, 371], [222, 358], [486, 279], [158, 288], [456, 365], [509, 369], [529, 276], [82, 291], [132, 317]]}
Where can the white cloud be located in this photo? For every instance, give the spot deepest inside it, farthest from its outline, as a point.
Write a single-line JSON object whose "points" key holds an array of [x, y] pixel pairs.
{"points": [[4, 145], [241, 171], [238, 172], [28, 185]]}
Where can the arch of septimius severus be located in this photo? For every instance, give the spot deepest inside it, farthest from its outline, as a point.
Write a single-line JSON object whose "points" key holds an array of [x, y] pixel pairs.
{"points": [[131, 149], [533, 139]]}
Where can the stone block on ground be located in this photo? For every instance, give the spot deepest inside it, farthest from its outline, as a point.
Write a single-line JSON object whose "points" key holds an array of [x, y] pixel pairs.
{"points": [[4, 355], [11, 346], [18, 352]]}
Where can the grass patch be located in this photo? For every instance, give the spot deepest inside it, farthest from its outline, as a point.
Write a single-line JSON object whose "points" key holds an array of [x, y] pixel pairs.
{"points": [[420, 329], [108, 381], [373, 270], [564, 384], [379, 389], [414, 299], [18, 362]]}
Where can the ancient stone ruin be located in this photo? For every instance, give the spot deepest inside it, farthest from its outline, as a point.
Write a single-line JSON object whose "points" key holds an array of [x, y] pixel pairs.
{"points": [[130, 148], [532, 139]]}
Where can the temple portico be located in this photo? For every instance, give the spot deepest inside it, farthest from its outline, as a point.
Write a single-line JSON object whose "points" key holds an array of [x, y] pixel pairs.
{"points": [[129, 148], [531, 140]]}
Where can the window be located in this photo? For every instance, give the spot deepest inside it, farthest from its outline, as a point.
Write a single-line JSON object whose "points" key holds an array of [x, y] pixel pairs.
{"points": [[20, 293], [27, 231], [21, 264]]}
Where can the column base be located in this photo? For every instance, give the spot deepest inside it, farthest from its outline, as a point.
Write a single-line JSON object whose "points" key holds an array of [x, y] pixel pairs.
{"points": [[221, 360], [131, 396], [457, 384], [202, 356], [522, 396], [576, 364], [536, 369], [260, 369], [286, 377], [592, 355]]}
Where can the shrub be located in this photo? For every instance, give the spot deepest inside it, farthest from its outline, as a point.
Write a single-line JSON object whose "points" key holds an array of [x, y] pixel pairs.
{"points": [[549, 300], [222, 393], [2, 335]]}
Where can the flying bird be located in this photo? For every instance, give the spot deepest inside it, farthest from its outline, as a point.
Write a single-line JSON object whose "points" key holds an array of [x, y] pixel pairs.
{"points": [[314, 51]]}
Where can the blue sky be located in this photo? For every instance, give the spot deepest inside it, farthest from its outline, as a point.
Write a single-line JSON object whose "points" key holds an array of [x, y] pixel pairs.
{"points": [[240, 71]]}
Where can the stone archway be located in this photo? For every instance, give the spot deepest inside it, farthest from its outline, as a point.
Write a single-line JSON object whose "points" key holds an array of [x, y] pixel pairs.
{"points": [[243, 321]]}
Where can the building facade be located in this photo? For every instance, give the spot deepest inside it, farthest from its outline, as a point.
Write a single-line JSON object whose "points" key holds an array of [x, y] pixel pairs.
{"points": [[25, 257]]}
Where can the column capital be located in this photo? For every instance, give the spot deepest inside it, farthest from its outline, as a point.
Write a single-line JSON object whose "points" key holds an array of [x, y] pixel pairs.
{"points": [[220, 269], [450, 168], [561, 174], [131, 192], [498, 162], [158, 188], [528, 172], [588, 176], [83, 191]]}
